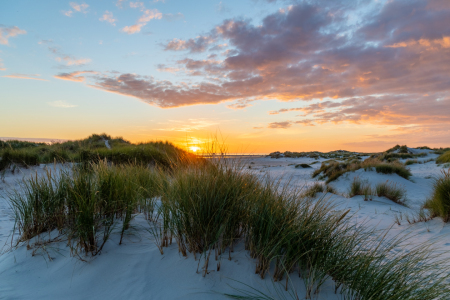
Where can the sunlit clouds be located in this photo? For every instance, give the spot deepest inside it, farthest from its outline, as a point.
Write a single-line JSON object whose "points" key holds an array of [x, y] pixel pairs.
{"points": [[61, 104], [9, 32], [25, 76], [149, 14], [355, 73], [108, 17], [82, 8]]}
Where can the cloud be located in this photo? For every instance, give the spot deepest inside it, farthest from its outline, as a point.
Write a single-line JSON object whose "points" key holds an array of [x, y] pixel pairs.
{"points": [[79, 7], [61, 104], [76, 8], [173, 17], [108, 17], [61, 57], [67, 13], [241, 104], [148, 15], [137, 4], [282, 125], [2, 66], [8, 32], [74, 76], [119, 3], [188, 126], [384, 63], [199, 44], [164, 68], [71, 61], [45, 42], [25, 76]]}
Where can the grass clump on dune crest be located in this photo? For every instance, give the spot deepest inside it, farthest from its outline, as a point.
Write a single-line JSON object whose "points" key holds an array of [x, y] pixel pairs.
{"points": [[93, 149], [443, 158], [333, 169], [439, 203]]}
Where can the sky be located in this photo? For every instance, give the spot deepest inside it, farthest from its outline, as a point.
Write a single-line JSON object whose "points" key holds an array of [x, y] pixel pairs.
{"points": [[257, 75]]}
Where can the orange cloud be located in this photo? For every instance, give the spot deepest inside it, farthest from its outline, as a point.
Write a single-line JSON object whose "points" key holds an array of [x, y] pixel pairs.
{"points": [[70, 61], [74, 76], [148, 15], [25, 76]]}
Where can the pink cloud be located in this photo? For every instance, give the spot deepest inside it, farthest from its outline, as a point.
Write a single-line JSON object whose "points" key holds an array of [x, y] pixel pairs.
{"points": [[25, 76], [8, 32], [148, 15], [108, 17]]}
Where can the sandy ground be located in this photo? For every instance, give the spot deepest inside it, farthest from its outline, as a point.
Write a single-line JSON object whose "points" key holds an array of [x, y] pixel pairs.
{"points": [[136, 269]]}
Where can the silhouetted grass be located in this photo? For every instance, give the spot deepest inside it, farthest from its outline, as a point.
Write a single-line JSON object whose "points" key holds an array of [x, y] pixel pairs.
{"points": [[93, 149]]}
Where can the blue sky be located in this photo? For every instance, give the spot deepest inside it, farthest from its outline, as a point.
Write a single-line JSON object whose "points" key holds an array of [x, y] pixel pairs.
{"points": [[264, 75]]}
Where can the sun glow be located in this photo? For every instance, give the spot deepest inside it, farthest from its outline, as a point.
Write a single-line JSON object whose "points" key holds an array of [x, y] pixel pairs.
{"points": [[194, 148]]}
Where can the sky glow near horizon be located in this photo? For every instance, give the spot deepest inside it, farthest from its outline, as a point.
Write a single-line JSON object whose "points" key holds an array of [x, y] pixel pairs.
{"points": [[260, 75]]}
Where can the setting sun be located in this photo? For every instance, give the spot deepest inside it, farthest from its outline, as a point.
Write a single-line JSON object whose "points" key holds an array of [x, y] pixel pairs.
{"points": [[194, 148]]}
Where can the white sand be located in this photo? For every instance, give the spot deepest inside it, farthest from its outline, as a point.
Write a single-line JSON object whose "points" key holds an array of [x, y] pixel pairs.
{"points": [[136, 269]]}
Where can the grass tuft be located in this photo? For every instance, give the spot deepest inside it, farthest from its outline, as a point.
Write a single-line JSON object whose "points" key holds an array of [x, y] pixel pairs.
{"points": [[443, 158], [391, 191], [439, 203]]}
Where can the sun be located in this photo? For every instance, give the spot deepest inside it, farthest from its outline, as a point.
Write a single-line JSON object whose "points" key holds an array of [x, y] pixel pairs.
{"points": [[194, 148]]}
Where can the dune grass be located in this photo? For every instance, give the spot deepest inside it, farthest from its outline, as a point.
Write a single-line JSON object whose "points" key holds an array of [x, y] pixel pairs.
{"points": [[92, 150], [318, 187], [439, 203], [333, 169], [83, 204], [360, 187], [443, 158], [391, 191], [209, 208]]}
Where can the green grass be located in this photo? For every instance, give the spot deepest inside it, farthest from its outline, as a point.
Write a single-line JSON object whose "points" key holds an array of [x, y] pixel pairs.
{"points": [[85, 205], [398, 169], [439, 203], [209, 208], [317, 187], [333, 169], [443, 158], [411, 162], [93, 149], [360, 187], [391, 191], [15, 144]]}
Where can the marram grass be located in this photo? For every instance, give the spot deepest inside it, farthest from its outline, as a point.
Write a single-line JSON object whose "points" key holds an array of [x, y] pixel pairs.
{"points": [[208, 208], [439, 203]]}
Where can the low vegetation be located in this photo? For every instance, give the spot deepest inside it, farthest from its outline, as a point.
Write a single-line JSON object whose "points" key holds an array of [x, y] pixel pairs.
{"points": [[443, 158], [332, 170], [93, 149], [318, 187], [391, 191], [360, 187], [439, 203], [208, 208]]}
